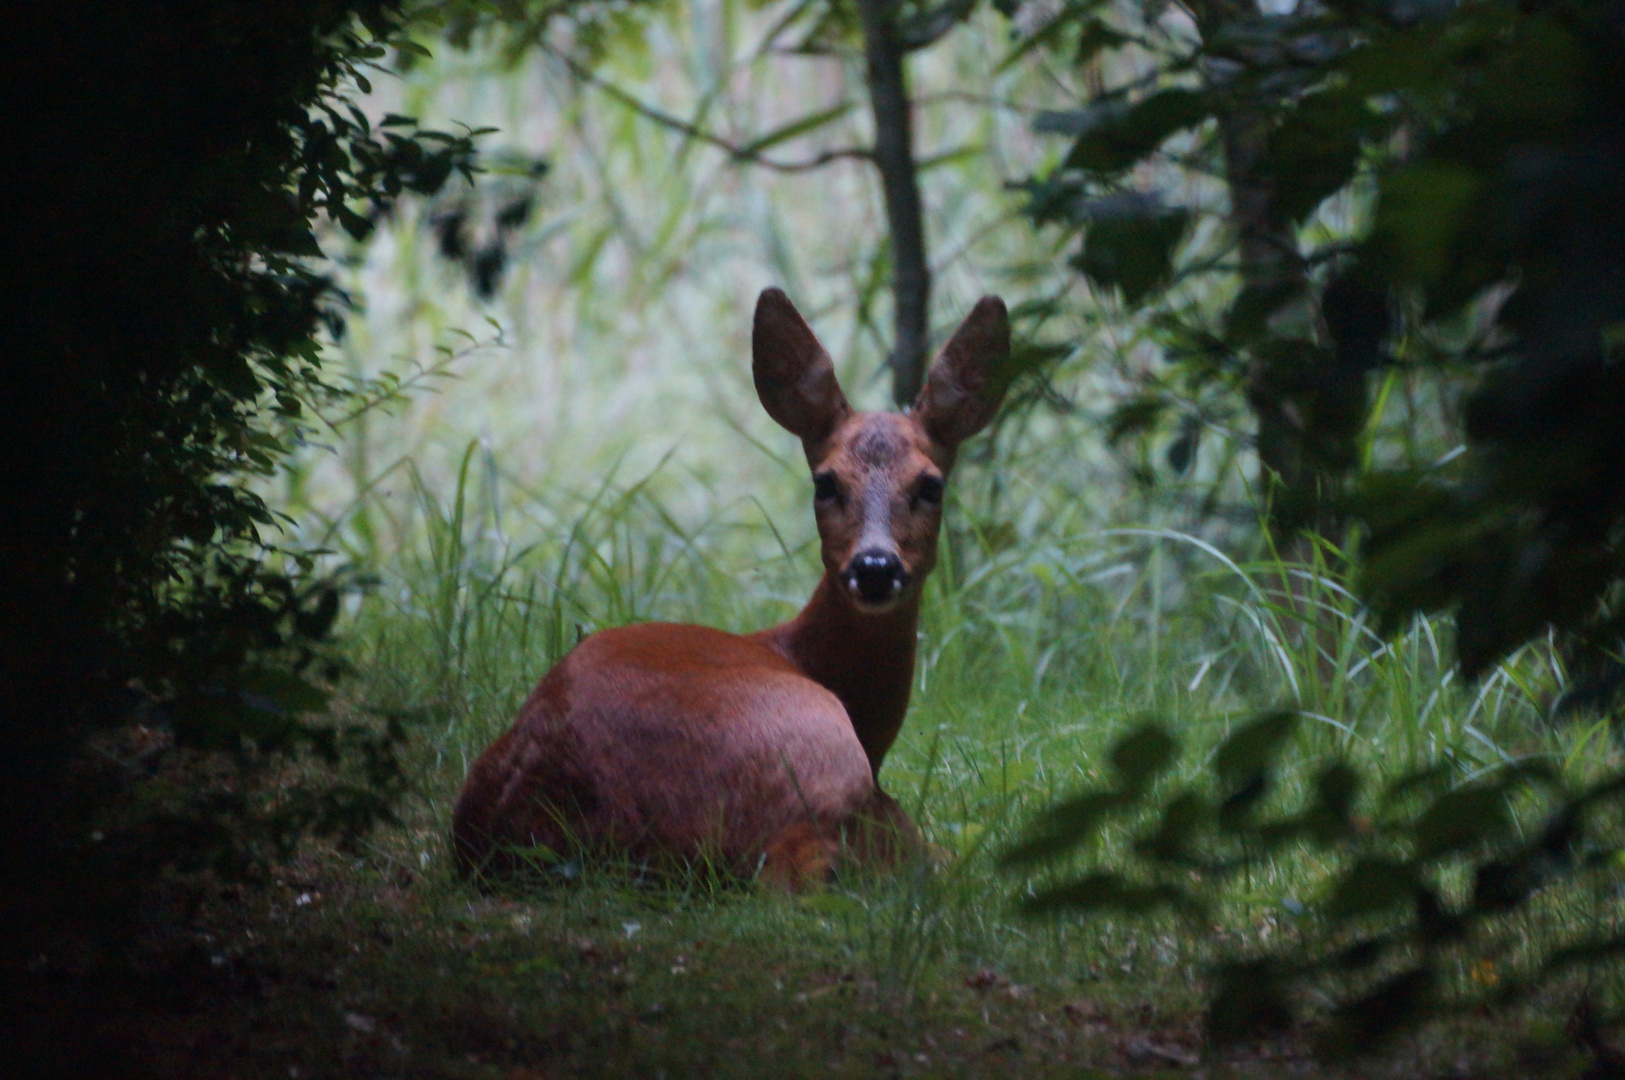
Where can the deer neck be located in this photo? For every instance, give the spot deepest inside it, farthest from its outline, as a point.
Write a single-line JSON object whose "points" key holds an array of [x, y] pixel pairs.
{"points": [[865, 660]]}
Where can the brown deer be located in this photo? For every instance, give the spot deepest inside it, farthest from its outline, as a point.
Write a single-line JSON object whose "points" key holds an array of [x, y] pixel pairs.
{"points": [[759, 751]]}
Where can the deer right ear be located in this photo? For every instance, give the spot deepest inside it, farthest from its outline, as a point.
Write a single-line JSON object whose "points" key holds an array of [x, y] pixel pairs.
{"points": [[794, 376], [962, 390]]}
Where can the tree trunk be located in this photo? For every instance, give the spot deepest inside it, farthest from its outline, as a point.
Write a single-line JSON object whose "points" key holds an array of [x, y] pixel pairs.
{"points": [[894, 155], [1270, 268]]}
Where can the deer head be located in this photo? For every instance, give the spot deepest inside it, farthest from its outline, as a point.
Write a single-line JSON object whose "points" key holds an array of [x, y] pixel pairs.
{"points": [[878, 477]]}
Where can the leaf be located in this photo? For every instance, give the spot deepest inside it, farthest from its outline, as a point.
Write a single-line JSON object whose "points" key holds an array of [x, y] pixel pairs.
{"points": [[1142, 754], [1184, 816], [1362, 954], [1315, 151], [285, 689], [1251, 750], [1181, 453], [1461, 819], [1133, 254], [1134, 417], [357, 226], [949, 157], [1420, 214], [1397, 1003], [1112, 138], [1095, 115], [1589, 952], [1330, 818], [1065, 826], [1029, 356], [1097, 36], [794, 128], [1249, 1001], [1108, 893], [1374, 884]]}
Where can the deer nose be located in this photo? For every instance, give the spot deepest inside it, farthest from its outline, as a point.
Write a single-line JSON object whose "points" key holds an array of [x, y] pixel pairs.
{"points": [[876, 576]]}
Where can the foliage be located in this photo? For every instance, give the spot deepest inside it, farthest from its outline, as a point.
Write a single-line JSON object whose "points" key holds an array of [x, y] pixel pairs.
{"points": [[1432, 877], [1411, 188], [166, 200]]}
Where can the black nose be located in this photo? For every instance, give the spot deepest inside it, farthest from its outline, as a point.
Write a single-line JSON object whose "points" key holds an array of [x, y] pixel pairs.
{"points": [[876, 576]]}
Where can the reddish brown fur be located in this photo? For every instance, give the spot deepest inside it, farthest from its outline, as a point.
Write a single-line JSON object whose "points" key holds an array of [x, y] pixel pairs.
{"points": [[759, 751]]}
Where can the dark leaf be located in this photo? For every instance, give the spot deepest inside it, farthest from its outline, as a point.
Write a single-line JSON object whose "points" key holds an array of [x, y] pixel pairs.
{"points": [[1461, 819], [1330, 817], [1065, 826], [1362, 1025], [1135, 416], [1503, 884], [1372, 885], [1140, 756], [1134, 255], [1252, 749], [285, 689], [1315, 151], [1108, 893], [1182, 451], [1249, 1000], [1183, 818], [1361, 955], [1113, 137]]}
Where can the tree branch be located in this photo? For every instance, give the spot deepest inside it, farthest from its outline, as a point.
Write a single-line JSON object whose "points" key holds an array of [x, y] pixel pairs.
{"points": [[736, 151]]}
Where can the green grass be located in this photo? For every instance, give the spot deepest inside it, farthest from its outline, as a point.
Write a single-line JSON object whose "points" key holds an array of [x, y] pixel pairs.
{"points": [[1042, 642]]}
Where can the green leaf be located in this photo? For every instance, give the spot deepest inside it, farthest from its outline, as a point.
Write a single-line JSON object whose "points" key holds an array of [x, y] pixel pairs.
{"points": [[1420, 215], [1112, 138], [794, 128], [1133, 254], [287, 690], [949, 157], [1134, 417], [1315, 152]]}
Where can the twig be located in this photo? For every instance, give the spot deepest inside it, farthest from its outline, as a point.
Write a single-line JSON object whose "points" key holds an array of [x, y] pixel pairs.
{"points": [[734, 150]]}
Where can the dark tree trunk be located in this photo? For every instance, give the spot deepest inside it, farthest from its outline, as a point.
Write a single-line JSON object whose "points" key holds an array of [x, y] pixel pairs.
{"points": [[884, 52]]}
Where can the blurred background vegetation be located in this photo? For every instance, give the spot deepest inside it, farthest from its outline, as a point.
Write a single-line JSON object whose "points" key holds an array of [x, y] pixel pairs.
{"points": [[436, 341]]}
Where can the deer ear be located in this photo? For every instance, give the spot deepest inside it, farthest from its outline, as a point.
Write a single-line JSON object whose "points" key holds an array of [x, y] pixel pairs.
{"points": [[963, 390], [793, 373]]}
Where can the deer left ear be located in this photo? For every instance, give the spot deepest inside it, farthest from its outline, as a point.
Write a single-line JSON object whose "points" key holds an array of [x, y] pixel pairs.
{"points": [[962, 390], [795, 379]]}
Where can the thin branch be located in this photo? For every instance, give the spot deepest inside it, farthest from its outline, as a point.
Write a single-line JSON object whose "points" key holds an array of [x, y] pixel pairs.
{"points": [[734, 150]]}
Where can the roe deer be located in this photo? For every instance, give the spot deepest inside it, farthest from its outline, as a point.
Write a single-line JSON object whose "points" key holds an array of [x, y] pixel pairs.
{"points": [[759, 750]]}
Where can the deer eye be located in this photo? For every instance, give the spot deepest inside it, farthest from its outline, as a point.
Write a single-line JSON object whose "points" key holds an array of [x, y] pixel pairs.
{"points": [[928, 489], [826, 488]]}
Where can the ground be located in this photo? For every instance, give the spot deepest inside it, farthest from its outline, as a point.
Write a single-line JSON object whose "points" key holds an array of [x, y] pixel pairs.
{"points": [[339, 968]]}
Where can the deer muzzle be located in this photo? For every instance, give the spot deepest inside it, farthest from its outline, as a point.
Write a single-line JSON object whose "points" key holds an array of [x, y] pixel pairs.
{"points": [[876, 578]]}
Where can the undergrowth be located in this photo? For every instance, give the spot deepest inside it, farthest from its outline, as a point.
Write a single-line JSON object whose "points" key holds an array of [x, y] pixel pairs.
{"points": [[1046, 636]]}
